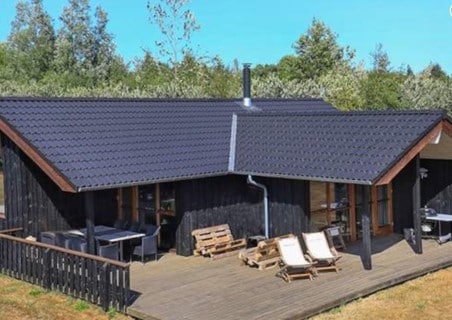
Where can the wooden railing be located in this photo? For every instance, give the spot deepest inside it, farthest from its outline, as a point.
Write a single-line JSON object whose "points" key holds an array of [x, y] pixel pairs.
{"points": [[92, 278]]}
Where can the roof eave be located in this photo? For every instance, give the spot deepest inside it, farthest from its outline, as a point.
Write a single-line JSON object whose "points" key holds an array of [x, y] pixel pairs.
{"points": [[148, 182], [303, 177], [389, 173], [49, 169]]}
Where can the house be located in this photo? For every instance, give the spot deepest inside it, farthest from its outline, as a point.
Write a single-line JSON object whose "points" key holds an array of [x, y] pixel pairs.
{"points": [[186, 164]]}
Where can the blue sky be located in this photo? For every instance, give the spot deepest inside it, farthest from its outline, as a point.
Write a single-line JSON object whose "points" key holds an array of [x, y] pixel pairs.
{"points": [[262, 31]]}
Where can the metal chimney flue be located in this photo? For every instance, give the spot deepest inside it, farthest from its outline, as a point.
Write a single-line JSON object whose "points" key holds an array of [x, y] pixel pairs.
{"points": [[246, 85]]}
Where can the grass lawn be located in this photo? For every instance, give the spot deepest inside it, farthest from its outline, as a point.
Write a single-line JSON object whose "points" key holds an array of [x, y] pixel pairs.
{"points": [[22, 301], [429, 297]]}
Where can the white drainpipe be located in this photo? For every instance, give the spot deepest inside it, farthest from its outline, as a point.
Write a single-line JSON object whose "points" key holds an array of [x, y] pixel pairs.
{"points": [[264, 188]]}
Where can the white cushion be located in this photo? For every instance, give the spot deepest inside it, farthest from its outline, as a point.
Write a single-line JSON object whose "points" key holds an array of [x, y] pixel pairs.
{"points": [[291, 252], [318, 245]]}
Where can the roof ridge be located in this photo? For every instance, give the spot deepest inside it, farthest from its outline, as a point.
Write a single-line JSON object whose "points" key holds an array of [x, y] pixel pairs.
{"points": [[72, 98], [94, 99], [342, 113]]}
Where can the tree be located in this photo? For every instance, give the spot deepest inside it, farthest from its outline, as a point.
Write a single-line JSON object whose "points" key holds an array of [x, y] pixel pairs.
{"points": [[342, 87], [382, 90], [435, 71], [420, 92], [103, 50], [176, 24], [380, 59], [149, 71], [32, 40], [318, 51], [85, 52], [289, 68], [409, 71], [264, 70]]}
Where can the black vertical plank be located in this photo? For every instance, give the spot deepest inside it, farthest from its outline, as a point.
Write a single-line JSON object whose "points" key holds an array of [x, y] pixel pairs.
{"points": [[120, 291], [126, 286], [416, 206], [83, 280], [103, 292], [89, 212], [47, 274], [94, 282], [113, 274], [366, 255]]}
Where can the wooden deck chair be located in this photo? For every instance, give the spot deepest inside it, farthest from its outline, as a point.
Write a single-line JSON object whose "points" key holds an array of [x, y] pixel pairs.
{"points": [[320, 251], [293, 263]]}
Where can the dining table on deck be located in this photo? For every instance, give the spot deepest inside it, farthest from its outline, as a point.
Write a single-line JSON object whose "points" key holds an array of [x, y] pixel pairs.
{"points": [[441, 217], [114, 235]]}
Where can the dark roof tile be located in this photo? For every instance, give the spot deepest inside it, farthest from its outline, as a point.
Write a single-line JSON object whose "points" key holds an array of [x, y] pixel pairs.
{"points": [[102, 143], [348, 146]]}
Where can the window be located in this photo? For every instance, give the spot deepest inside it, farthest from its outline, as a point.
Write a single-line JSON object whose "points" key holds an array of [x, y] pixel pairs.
{"points": [[382, 200]]}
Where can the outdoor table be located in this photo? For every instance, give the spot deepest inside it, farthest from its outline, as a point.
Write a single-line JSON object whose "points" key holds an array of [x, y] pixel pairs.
{"points": [[113, 235], [441, 217]]}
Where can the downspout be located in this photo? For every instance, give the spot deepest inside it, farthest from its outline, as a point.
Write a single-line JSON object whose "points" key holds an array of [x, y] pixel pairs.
{"points": [[264, 188]]}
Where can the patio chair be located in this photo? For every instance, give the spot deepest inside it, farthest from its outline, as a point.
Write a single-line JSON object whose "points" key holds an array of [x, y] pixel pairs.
{"points": [[76, 244], [47, 237], [109, 251], [293, 263], [150, 229], [134, 227], [320, 251], [428, 226], [60, 239], [148, 246], [118, 224]]}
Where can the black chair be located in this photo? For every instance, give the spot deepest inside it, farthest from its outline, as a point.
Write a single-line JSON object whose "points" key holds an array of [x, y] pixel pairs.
{"points": [[47, 237], [76, 244], [134, 227], [109, 251], [150, 229], [125, 225], [148, 246], [118, 224], [428, 226], [60, 239]]}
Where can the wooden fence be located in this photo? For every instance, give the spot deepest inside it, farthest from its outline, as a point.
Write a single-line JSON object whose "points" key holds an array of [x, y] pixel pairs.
{"points": [[95, 279]]}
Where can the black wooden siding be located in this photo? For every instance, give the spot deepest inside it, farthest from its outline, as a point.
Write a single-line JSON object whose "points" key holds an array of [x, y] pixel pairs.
{"points": [[35, 203], [402, 198], [229, 199]]}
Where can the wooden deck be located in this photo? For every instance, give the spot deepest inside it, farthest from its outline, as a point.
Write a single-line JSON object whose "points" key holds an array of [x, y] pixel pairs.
{"points": [[197, 288]]}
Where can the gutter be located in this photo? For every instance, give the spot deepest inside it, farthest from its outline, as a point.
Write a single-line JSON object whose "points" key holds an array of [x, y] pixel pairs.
{"points": [[264, 189]]}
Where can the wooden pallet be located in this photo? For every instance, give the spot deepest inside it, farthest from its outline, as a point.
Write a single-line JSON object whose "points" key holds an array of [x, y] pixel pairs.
{"points": [[264, 256], [216, 242]]}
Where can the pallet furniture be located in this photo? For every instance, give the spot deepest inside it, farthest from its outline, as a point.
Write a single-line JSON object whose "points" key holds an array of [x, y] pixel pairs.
{"points": [[264, 256], [216, 242]]}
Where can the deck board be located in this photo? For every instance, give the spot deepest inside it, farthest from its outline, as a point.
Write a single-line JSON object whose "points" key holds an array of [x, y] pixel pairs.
{"points": [[197, 288]]}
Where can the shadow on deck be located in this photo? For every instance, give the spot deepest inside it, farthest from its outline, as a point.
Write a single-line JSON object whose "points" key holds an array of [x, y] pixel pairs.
{"points": [[196, 288]]}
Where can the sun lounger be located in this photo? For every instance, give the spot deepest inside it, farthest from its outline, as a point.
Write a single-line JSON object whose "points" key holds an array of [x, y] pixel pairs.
{"points": [[293, 264], [320, 251]]}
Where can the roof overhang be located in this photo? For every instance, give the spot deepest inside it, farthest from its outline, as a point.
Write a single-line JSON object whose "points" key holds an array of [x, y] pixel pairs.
{"points": [[444, 126], [57, 177]]}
